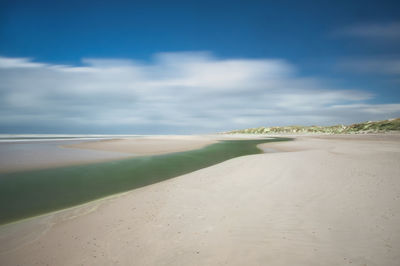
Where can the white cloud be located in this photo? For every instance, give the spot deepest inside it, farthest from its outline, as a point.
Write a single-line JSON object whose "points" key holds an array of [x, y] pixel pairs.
{"points": [[175, 93], [7, 62]]}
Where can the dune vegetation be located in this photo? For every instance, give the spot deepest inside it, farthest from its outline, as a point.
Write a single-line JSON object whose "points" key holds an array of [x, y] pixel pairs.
{"points": [[382, 126]]}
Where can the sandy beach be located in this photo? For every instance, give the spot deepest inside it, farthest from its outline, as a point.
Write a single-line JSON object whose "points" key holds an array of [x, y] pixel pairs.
{"points": [[318, 200]]}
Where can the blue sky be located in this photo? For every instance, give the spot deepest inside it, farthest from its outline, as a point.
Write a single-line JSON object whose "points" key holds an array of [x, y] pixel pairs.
{"points": [[195, 66]]}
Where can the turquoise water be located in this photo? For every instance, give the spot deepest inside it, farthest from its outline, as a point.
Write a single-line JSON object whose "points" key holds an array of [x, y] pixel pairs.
{"points": [[30, 193]]}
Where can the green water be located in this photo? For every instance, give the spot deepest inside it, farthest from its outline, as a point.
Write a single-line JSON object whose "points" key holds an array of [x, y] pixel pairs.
{"points": [[30, 193]]}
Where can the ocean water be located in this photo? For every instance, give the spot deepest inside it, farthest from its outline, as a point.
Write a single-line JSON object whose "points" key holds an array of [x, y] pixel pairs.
{"points": [[52, 137], [30, 193]]}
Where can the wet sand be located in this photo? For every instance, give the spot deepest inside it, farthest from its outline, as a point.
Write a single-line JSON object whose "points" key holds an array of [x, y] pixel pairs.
{"points": [[322, 200], [28, 155], [148, 145]]}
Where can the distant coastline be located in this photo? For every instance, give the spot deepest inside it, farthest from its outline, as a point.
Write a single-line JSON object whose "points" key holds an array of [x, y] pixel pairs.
{"points": [[382, 126]]}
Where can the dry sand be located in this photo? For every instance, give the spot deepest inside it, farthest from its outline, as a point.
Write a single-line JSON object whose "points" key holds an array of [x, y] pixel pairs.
{"points": [[332, 201]]}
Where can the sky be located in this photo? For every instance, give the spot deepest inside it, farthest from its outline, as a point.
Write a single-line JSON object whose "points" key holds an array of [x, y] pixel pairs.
{"points": [[183, 67]]}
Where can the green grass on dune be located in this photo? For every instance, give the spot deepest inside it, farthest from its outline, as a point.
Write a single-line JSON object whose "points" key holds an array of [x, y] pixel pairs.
{"points": [[360, 128]]}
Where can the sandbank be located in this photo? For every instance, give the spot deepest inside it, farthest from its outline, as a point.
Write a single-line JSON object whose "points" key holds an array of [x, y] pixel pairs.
{"points": [[147, 145], [29, 155]]}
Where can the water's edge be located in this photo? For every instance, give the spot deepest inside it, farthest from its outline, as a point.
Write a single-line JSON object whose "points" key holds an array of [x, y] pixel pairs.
{"points": [[32, 193]]}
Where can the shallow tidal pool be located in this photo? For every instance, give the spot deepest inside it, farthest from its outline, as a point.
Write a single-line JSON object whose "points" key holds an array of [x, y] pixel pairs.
{"points": [[30, 193]]}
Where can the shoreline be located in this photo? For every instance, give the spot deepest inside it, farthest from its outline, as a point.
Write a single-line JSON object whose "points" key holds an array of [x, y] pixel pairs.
{"points": [[146, 145], [39, 154], [51, 154], [328, 202], [26, 194]]}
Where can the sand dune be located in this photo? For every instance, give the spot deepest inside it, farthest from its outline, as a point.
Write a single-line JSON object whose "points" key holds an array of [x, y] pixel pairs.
{"points": [[330, 201]]}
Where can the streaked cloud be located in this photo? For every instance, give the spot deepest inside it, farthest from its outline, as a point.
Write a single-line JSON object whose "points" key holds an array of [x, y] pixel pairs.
{"points": [[370, 109], [6, 62], [374, 65], [389, 31], [174, 93]]}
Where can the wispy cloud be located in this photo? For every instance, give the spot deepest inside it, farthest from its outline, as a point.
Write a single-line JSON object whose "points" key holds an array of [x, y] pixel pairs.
{"points": [[374, 65], [382, 31], [6, 62], [175, 93]]}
